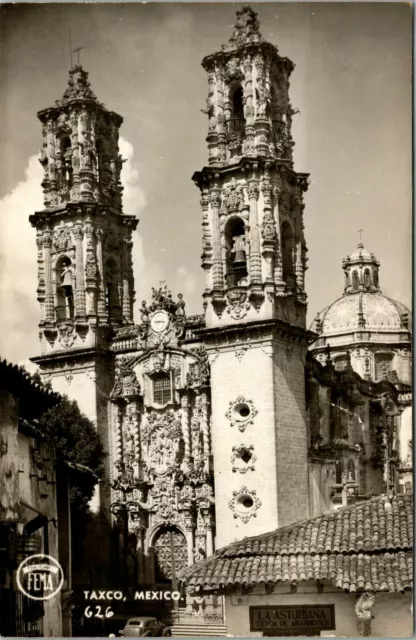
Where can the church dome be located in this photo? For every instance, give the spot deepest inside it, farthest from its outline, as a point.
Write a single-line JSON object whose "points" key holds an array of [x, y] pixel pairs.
{"points": [[362, 307], [368, 311], [363, 326], [361, 254]]}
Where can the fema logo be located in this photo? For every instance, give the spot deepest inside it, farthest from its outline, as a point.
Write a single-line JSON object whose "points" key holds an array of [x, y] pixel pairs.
{"points": [[40, 577]]}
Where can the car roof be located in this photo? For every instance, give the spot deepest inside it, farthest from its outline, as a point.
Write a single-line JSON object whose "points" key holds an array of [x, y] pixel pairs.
{"points": [[141, 618]]}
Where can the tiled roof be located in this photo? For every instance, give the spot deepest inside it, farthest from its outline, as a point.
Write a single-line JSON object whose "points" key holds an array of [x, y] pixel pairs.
{"points": [[34, 397], [367, 546]]}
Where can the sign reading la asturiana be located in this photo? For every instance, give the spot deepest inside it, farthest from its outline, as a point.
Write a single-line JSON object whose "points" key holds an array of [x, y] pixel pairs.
{"points": [[292, 618]]}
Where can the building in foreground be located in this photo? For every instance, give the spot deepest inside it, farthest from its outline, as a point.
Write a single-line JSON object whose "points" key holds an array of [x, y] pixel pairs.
{"points": [[347, 573], [34, 507]]}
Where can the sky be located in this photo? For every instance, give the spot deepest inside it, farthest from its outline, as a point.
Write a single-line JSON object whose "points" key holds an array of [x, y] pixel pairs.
{"points": [[351, 83]]}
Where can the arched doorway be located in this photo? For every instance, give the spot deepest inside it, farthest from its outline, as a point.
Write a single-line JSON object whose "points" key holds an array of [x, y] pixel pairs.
{"points": [[170, 549]]}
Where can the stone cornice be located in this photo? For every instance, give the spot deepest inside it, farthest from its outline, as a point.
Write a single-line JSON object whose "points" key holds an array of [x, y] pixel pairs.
{"points": [[219, 58], [248, 164], [80, 354], [93, 105], [74, 209], [350, 339], [261, 330]]}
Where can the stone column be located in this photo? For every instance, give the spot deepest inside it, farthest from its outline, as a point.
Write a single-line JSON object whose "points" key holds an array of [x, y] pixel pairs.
{"points": [[53, 196], [86, 174], [300, 280], [90, 271], [117, 425], [210, 537], [255, 257], [49, 306], [205, 428], [278, 270], [248, 145], [185, 426], [190, 540], [41, 276], [221, 152], [206, 237], [217, 275], [79, 264], [127, 302], [101, 290]]}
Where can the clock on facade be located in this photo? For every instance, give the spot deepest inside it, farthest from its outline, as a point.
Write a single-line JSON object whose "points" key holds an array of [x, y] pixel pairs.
{"points": [[159, 321]]}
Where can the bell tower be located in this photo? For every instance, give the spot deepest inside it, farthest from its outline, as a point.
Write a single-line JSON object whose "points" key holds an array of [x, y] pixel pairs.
{"points": [[84, 240], [254, 250], [254, 258]]}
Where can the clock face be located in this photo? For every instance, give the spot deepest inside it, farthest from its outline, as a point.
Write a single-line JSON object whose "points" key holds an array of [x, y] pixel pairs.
{"points": [[160, 321]]}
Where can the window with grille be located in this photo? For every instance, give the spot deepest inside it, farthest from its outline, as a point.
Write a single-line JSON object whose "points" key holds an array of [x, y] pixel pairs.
{"points": [[162, 388]]}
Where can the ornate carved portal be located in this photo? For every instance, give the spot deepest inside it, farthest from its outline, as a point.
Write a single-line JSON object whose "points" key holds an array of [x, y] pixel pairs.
{"points": [[170, 555]]}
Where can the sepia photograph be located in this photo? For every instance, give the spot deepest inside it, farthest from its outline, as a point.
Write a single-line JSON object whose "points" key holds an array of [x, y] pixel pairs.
{"points": [[205, 327]]}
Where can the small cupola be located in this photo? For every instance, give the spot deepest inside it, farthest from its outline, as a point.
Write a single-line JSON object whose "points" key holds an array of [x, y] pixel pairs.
{"points": [[361, 271]]}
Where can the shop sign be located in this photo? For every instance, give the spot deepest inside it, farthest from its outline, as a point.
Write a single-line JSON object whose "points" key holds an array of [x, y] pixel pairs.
{"points": [[293, 619]]}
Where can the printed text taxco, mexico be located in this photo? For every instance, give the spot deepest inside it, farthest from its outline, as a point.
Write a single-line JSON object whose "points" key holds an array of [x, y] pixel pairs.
{"points": [[97, 611]]}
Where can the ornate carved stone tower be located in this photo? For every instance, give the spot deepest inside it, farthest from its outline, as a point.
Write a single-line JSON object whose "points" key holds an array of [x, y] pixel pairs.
{"points": [[254, 256], [85, 278]]}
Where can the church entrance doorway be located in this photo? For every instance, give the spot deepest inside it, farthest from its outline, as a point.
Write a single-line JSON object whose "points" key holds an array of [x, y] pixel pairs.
{"points": [[170, 556]]}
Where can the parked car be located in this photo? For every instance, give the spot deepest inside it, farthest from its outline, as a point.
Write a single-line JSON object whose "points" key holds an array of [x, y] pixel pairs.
{"points": [[145, 626]]}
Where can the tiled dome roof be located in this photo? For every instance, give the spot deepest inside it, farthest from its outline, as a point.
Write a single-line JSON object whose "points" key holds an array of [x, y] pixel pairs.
{"points": [[362, 255], [368, 311]]}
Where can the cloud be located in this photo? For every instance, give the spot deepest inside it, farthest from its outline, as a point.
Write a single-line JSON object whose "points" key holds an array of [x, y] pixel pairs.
{"points": [[18, 267], [186, 282], [18, 256], [134, 197]]}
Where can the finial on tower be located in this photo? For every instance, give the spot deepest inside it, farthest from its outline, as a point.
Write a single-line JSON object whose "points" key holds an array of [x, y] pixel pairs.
{"points": [[360, 244], [78, 84], [246, 28]]}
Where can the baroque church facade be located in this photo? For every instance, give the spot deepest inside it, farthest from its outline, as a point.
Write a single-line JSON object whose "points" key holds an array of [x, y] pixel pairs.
{"points": [[220, 425]]}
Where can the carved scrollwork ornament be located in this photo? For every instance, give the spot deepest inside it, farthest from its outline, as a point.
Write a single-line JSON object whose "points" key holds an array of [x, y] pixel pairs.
{"points": [[78, 232], [237, 304], [253, 191], [268, 228], [47, 241], [66, 334], [204, 201], [244, 504], [241, 413], [215, 198], [243, 458], [62, 239]]}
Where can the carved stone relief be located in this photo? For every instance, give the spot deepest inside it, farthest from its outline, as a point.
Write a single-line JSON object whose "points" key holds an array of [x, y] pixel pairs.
{"points": [[244, 504], [243, 458], [162, 439], [237, 304], [241, 413], [66, 334]]}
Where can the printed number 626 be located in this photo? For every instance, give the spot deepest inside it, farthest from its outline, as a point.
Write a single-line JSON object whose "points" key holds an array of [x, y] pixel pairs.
{"points": [[108, 613]]}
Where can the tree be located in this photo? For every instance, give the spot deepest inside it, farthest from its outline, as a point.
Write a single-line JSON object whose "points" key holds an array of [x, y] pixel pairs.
{"points": [[76, 440]]}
